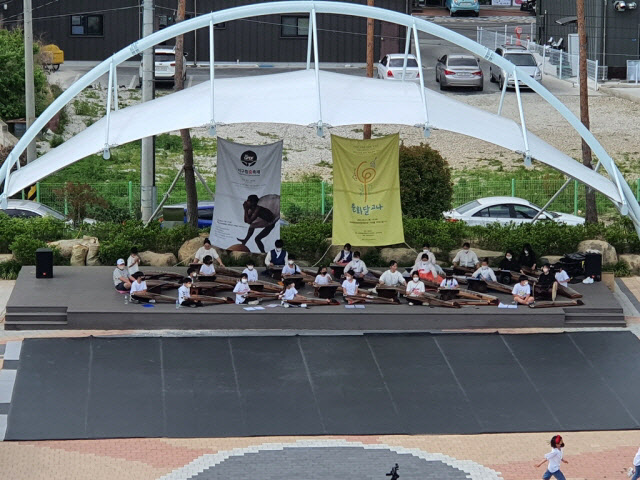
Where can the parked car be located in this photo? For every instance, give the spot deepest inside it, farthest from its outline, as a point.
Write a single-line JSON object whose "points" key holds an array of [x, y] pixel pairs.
{"points": [[177, 215], [459, 71], [165, 66], [456, 6], [485, 211], [520, 57], [29, 209], [390, 67]]}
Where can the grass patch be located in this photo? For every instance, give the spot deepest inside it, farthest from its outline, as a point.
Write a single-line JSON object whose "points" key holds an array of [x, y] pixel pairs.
{"points": [[87, 109]]}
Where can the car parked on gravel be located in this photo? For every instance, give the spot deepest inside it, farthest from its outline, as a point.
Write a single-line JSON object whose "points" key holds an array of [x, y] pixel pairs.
{"points": [[459, 71], [164, 66], [520, 57], [457, 6]]}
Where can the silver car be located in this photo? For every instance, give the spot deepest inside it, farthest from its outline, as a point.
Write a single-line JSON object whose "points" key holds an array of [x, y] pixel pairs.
{"points": [[459, 71], [520, 57]]}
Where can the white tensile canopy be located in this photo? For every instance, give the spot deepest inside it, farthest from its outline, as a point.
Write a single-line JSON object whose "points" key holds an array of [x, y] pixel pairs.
{"points": [[292, 98]]}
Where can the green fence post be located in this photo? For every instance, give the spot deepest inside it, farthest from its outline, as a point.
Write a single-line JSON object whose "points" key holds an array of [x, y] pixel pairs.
{"points": [[323, 199], [638, 190], [130, 192], [38, 192], [66, 206], [513, 187], [575, 197]]}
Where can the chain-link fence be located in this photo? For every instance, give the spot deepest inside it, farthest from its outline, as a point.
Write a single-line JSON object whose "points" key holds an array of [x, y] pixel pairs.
{"points": [[553, 61]]}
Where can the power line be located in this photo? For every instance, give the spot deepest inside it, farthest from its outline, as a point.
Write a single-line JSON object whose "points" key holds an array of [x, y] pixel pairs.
{"points": [[108, 10]]}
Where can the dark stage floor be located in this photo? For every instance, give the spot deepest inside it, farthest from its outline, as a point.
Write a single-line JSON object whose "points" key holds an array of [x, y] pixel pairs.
{"points": [[313, 385]]}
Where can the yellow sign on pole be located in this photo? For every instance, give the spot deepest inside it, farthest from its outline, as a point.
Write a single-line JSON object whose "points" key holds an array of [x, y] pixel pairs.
{"points": [[366, 191]]}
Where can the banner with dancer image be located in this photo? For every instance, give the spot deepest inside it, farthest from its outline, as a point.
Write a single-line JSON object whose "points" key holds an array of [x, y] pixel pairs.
{"points": [[246, 217], [366, 191]]}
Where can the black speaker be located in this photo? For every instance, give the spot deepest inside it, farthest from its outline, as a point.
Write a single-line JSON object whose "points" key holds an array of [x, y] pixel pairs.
{"points": [[593, 265], [44, 263]]}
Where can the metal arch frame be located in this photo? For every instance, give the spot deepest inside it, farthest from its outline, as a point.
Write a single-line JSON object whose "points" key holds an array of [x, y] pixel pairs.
{"points": [[628, 206]]}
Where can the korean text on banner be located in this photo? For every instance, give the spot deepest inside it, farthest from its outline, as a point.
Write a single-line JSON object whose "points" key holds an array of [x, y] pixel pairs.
{"points": [[246, 217], [366, 191]]}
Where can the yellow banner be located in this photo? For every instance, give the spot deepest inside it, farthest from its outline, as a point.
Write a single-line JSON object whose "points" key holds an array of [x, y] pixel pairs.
{"points": [[366, 191]]}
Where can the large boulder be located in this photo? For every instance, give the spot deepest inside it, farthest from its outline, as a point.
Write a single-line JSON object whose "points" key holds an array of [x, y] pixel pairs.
{"points": [[491, 254], [632, 260], [6, 257], [153, 259], [79, 255], [66, 246], [404, 256], [190, 247], [608, 251]]}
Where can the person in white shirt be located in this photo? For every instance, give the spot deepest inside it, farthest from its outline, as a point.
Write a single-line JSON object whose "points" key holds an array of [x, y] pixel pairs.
{"points": [[344, 256], [242, 289], [357, 266], [133, 262], [349, 286], [322, 278], [184, 295], [205, 250], [192, 273], [289, 293], [207, 269], [426, 249], [554, 457], [121, 278], [522, 291], [290, 268], [426, 270], [139, 286], [251, 272], [449, 282], [392, 277], [466, 257], [415, 287], [636, 466], [561, 276], [485, 272]]}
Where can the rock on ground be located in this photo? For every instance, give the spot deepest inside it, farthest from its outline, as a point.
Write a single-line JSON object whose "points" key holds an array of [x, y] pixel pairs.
{"points": [[65, 246], [609, 254], [190, 247], [153, 259], [632, 260]]}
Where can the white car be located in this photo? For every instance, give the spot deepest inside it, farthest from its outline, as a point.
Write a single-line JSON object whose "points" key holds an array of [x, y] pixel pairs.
{"points": [[390, 67], [165, 66], [485, 211], [28, 209]]}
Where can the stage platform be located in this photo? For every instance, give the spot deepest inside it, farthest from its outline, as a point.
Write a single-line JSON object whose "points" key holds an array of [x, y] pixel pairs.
{"points": [[84, 298]]}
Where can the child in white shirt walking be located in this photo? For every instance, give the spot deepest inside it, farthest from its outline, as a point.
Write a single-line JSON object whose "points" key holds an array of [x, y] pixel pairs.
{"points": [[554, 457]]}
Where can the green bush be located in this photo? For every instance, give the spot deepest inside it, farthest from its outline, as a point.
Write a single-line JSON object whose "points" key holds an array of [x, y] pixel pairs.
{"points": [[24, 249], [39, 228], [619, 269], [56, 141], [9, 270], [425, 182], [306, 240]]}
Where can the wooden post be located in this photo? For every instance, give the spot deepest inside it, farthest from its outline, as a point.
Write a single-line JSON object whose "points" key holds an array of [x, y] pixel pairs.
{"points": [[366, 134]]}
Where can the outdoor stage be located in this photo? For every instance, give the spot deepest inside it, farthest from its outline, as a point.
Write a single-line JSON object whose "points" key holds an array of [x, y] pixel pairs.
{"points": [[84, 298]]}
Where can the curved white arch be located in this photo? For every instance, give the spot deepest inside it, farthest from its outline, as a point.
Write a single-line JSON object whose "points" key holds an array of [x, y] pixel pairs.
{"points": [[625, 201]]}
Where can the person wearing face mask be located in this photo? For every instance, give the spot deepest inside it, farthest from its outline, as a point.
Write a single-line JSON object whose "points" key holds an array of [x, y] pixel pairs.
{"points": [[466, 257], [349, 285], [251, 272], [192, 273], [357, 266], [278, 257], [527, 257], [415, 287], [207, 269], [322, 278], [290, 268], [426, 249], [522, 291], [344, 256], [485, 272], [122, 279], [449, 282], [426, 270], [546, 285], [392, 277], [289, 292], [507, 264], [242, 290]]}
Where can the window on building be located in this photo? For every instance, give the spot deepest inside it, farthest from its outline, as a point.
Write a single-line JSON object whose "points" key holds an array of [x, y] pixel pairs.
{"points": [[87, 25], [295, 26]]}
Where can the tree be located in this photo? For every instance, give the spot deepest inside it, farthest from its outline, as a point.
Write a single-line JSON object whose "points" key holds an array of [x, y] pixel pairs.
{"points": [[12, 102], [79, 197], [187, 146], [426, 188], [591, 211]]}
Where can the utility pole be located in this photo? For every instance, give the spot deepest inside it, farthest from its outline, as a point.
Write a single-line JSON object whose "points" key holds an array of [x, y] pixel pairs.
{"points": [[591, 211], [29, 89], [366, 131], [147, 157]]}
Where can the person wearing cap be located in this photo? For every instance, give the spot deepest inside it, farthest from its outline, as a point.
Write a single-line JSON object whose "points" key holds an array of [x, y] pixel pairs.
{"points": [[466, 257], [554, 457], [205, 250], [290, 268], [122, 279], [251, 272]]}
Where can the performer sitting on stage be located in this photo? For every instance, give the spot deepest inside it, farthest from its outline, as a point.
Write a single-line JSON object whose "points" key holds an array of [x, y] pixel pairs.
{"points": [[349, 286], [561, 276], [415, 287], [432, 258], [522, 291], [139, 286], [207, 269], [251, 272], [121, 278], [290, 268], [289, 292], [184, 295], [466, 257], [276, 257], [133, 262], [392, 277], [509, 263], [192, 273], [357, 266], [546, 283], [426, 270], [344, 256], [485, 272], [527, 257], [205, 250], [322, 278], [242, 289], [449, 282]]}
